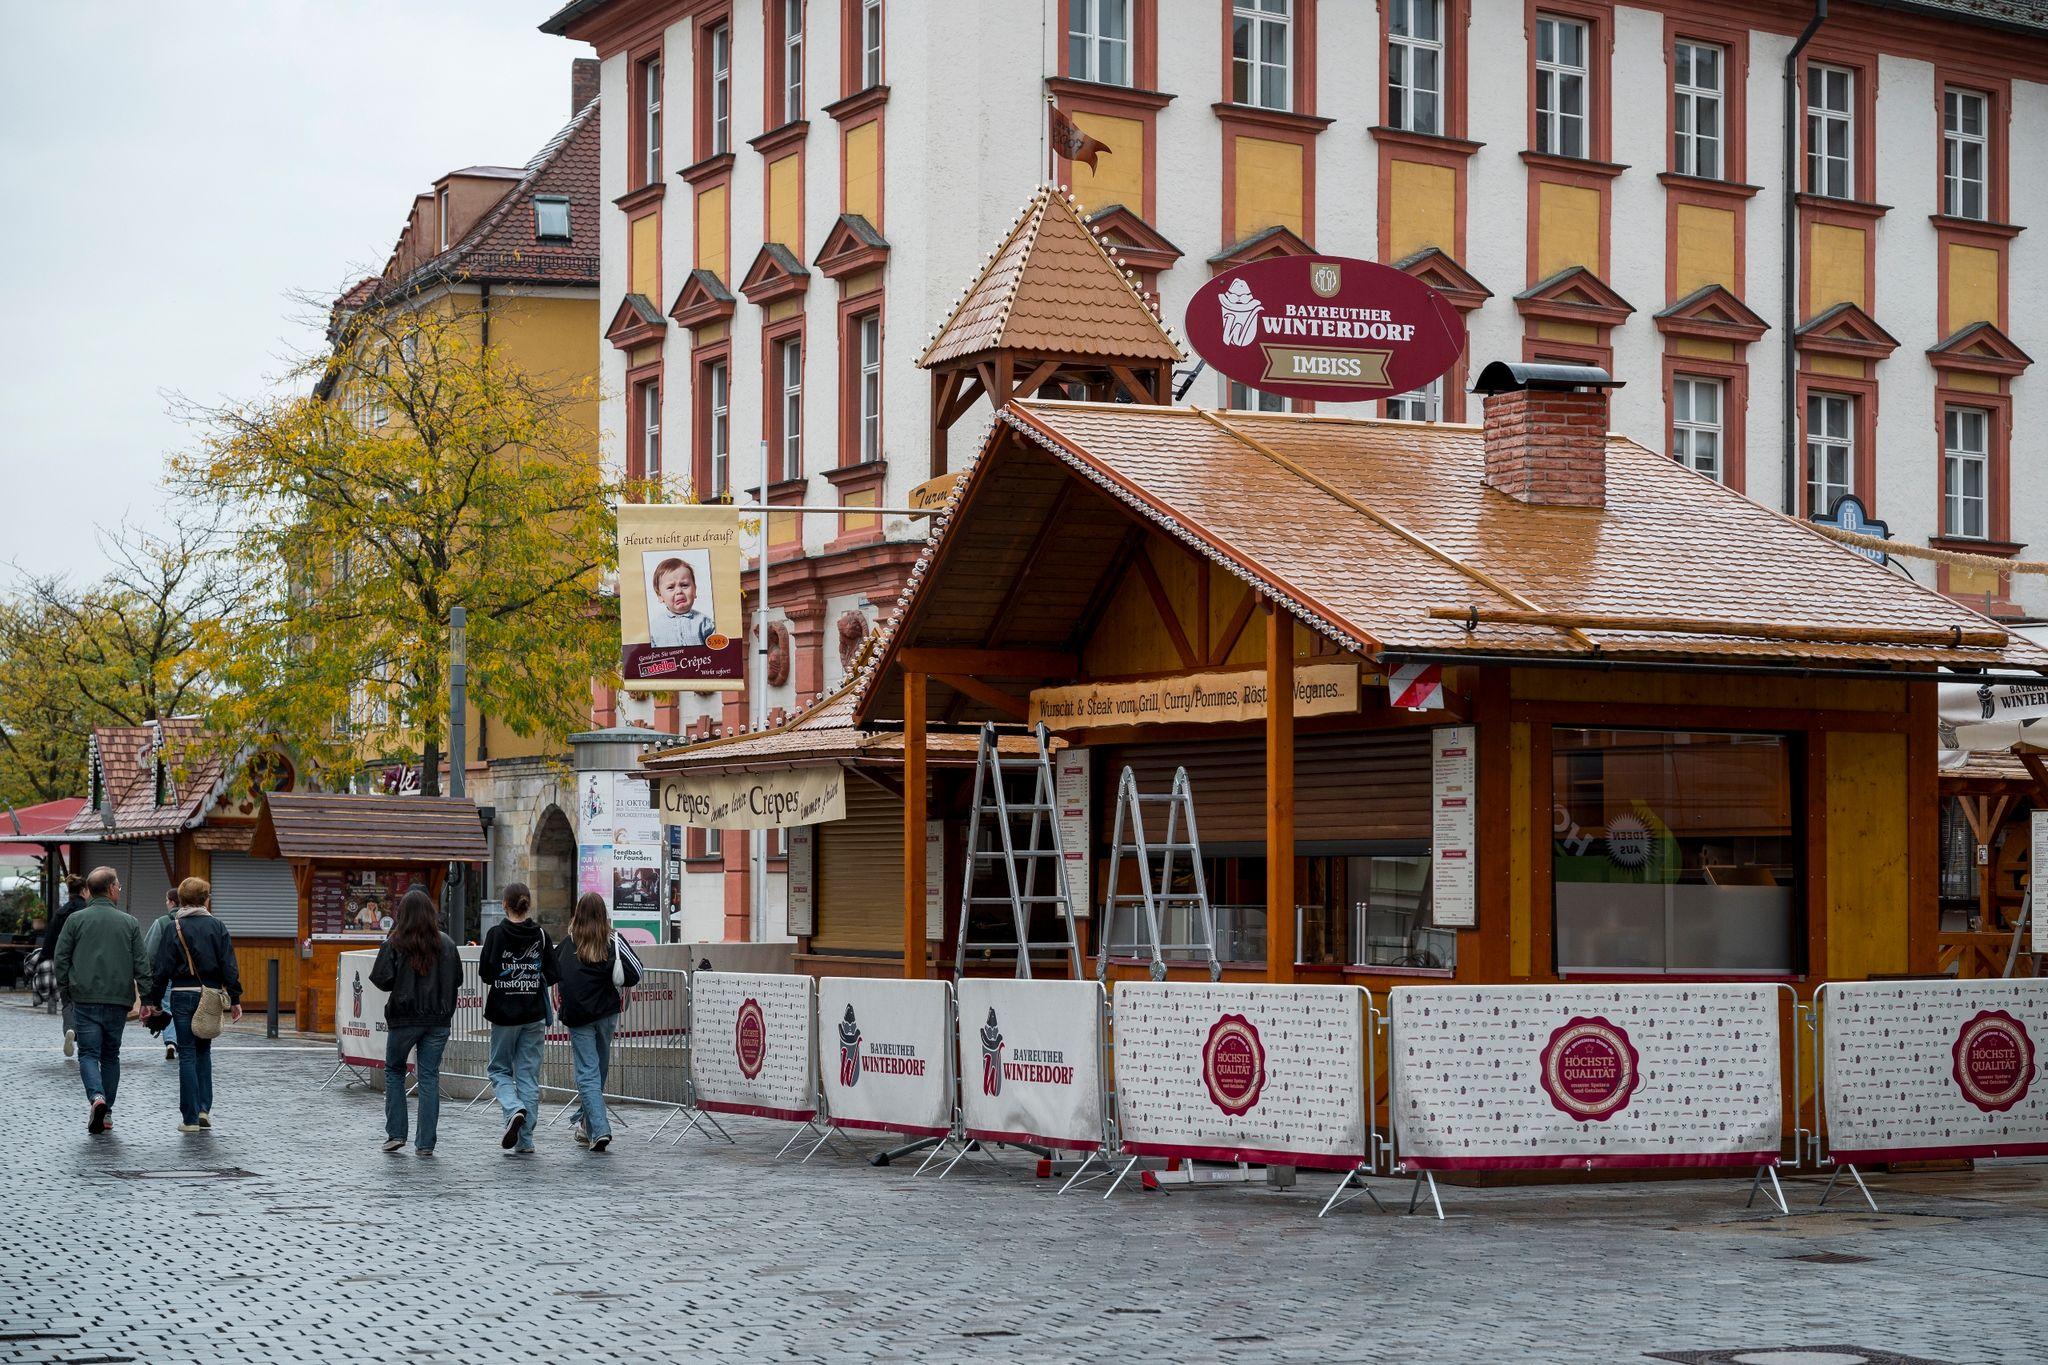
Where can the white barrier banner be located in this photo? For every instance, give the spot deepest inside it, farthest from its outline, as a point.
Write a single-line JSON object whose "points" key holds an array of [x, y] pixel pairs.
{"points": [[1031, 1061], [1505, 1077], [751, 1046], [1272, 1074], [1914, 1069], [889, 1060], [359, 1028]]}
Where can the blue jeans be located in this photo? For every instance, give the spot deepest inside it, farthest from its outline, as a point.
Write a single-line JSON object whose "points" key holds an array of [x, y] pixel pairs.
{"points": [[430, 1040], [515, 1072], [590, 1050], [195, 1059], [99, 1048]]}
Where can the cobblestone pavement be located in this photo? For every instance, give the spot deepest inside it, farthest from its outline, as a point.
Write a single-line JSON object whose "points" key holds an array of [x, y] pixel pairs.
{"points": [[285, 1235]]}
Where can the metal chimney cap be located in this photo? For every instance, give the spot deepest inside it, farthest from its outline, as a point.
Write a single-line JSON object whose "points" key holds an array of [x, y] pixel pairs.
{"points": [[1503, 376]]}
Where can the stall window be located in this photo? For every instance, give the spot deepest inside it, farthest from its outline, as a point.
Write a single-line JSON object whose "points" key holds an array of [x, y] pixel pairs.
{"points": [[1674, 852]]}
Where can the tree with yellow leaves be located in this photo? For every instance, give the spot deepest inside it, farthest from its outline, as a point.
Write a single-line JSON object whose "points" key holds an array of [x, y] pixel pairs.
{"points": [[425, 471]]}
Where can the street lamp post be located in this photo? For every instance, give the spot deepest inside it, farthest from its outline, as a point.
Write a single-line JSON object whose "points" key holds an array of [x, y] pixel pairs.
{"points": [[458, 705]]}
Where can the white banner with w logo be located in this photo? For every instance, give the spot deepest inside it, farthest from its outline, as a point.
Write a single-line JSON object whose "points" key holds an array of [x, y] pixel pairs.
{"points": [[1031, 1061]]}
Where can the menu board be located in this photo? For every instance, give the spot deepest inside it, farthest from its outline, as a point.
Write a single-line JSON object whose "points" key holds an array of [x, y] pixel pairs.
{"points": [[348, 900], [2037, 863], [1070, 794], [1454, 826]]}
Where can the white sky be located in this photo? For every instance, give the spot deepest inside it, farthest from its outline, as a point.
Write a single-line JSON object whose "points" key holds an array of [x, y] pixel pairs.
{"points": [[173, 170]]}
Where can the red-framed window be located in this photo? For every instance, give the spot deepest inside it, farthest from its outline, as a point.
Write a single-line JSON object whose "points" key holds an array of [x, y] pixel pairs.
{"points": [[860, 349], [714, 83], [645, 140], [861, 39], [1571, 43], [782, 400], [784, 87], [643, 450], [712, 364]]}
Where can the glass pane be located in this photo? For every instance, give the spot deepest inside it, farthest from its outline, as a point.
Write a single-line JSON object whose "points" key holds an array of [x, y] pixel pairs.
{"points": [[1426, 113], [1546, 40], [1112, 15], [1077, 55], [1571, 45], [1427, 19]]}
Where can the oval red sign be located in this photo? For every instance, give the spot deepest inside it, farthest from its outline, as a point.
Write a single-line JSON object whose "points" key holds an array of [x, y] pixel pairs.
{"points": [[1328, 328]]}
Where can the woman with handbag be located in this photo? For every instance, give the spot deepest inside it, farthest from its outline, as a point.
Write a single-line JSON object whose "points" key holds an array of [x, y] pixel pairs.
{"points": [[196, 955], [593, 967], [420, 968]]}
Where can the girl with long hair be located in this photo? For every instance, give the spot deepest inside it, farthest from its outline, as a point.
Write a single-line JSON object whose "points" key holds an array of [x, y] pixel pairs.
{"points": [[593, 965], [420, 968], [517, 965]]}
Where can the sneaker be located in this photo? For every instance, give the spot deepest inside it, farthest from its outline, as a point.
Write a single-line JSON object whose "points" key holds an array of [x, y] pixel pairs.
{"points": [[70, 1042], [98, 1122], [522, 1151], [582, 1134], [170, 1052], [205, 1119], [394, 1144], [107, 1123], [423, 1151], [513, 1128], [190, 1128], [598, 1144]]}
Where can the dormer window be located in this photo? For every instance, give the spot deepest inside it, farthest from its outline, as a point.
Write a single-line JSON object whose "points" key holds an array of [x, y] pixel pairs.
{"points": [[551, 218], [163, 783], [441, 213]]}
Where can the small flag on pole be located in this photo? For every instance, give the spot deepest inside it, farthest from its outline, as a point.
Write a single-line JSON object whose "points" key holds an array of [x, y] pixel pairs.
{"points": [[1070, 142]]}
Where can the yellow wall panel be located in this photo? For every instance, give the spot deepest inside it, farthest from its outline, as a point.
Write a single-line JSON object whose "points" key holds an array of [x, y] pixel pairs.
{"points": [[1975, 383], [711, 231], [1422, 209], [1269, 186], [1119, 174], [646, 257], [863, 153], [786, 202], [1867, 889], [1567, 229], [1965, 581], [642, 355], [1579, 333], [1834, 266], [1848, 367], [1703, 348], [1972, 287], [1706, 248]]}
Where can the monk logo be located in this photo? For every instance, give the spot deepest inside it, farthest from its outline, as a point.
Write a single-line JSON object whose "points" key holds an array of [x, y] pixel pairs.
{"points": [[849, 1049], [1987, 701], [750, 1038], [357, 990], [1326, 278], [991, 1055], [1234, 1064], [1590, 1068], [1994, 1061], [1240, 309]]}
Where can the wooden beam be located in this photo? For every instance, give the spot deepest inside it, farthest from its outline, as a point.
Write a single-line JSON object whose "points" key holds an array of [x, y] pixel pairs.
{"points": [[1036, 379], [964, 397], [1233, 630], [1002, 701], [2038, 766], [943, 383], [913, 823], [1164, 606], [999, 663], [1135, 386], [1202, 608], [1694, 625], [1040, 541], [1280, 945], [881, 780]]}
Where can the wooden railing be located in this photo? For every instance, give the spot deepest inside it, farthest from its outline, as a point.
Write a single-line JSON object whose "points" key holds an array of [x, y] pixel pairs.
{"points": [[1973, 955]]}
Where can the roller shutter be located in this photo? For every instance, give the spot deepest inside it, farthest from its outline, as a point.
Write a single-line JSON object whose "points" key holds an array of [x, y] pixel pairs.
{"points": [[860, 874], [144, 883], [255, 897], [1348, 788]]}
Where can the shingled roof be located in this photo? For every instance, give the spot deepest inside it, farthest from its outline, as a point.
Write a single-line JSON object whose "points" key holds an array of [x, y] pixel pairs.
{"points": [[124, 758], [1052, 288], [369, 830]]}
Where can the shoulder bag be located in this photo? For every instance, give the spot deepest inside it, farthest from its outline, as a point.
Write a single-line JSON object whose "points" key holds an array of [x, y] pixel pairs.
{"points": [[211, 1012]]}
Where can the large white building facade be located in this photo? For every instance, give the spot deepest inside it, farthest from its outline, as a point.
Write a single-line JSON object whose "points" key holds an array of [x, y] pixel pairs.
{"points": [[796, 191]]}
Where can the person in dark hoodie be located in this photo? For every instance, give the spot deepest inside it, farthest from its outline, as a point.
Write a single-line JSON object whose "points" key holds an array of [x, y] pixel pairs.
{"points": [[192, 951], [517, 966], [592, 965], [421, 968]]}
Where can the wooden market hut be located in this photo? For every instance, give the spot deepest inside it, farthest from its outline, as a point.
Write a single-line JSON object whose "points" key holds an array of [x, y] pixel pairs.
{"points": [[1705, 735], [1986, 846], [351, 858]]}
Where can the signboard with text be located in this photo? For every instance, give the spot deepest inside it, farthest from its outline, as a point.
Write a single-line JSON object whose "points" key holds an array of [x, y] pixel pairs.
{"points": [[1326, 328], [1201, 698], [771, 800]]}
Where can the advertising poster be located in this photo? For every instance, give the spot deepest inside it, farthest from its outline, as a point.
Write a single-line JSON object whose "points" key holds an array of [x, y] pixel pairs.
{"points": [[594, 870], [799, 902], [888, 1055], [636, 854], [1031, 1061], [680, 625], [1533, 1077]]}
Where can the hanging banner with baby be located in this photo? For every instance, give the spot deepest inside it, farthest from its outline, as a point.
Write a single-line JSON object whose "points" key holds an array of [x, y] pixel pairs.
{"points": [[680, 620]]}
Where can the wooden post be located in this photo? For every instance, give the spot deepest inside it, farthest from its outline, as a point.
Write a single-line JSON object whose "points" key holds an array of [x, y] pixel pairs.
{"points": [[913, 824], [1280, 946]]}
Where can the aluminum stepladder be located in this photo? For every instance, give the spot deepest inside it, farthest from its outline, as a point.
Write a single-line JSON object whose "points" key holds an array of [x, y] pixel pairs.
{"points": [[1159, 903], [992, 842]]}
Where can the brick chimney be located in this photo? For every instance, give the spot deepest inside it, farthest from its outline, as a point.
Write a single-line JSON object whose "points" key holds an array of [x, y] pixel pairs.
{"points": [[582, 83], [1546, 432]]}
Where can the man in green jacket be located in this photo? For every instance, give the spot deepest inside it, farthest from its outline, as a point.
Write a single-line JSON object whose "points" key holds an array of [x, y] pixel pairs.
{"points": [[102, 969]]}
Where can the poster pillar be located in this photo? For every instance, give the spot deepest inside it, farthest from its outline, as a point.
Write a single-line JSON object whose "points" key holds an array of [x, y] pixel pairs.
{"points": [[1280, 947], [913, 825]]}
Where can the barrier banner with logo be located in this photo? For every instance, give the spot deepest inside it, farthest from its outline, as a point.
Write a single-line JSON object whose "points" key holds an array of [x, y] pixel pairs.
{"points": [[752, 1049], [1031, 1061], [1506, 1077], [1271, 1074], [359, 1028], [888, 1054], [1915, 1069]]}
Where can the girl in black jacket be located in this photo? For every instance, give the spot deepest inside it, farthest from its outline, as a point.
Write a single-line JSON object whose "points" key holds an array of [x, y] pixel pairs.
{"points": [[420, 967], [592, 966], [517, 966], [192, 951]]}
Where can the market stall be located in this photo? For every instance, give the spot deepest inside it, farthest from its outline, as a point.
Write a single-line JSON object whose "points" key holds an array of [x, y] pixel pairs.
{"points": [[351, 858]]}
